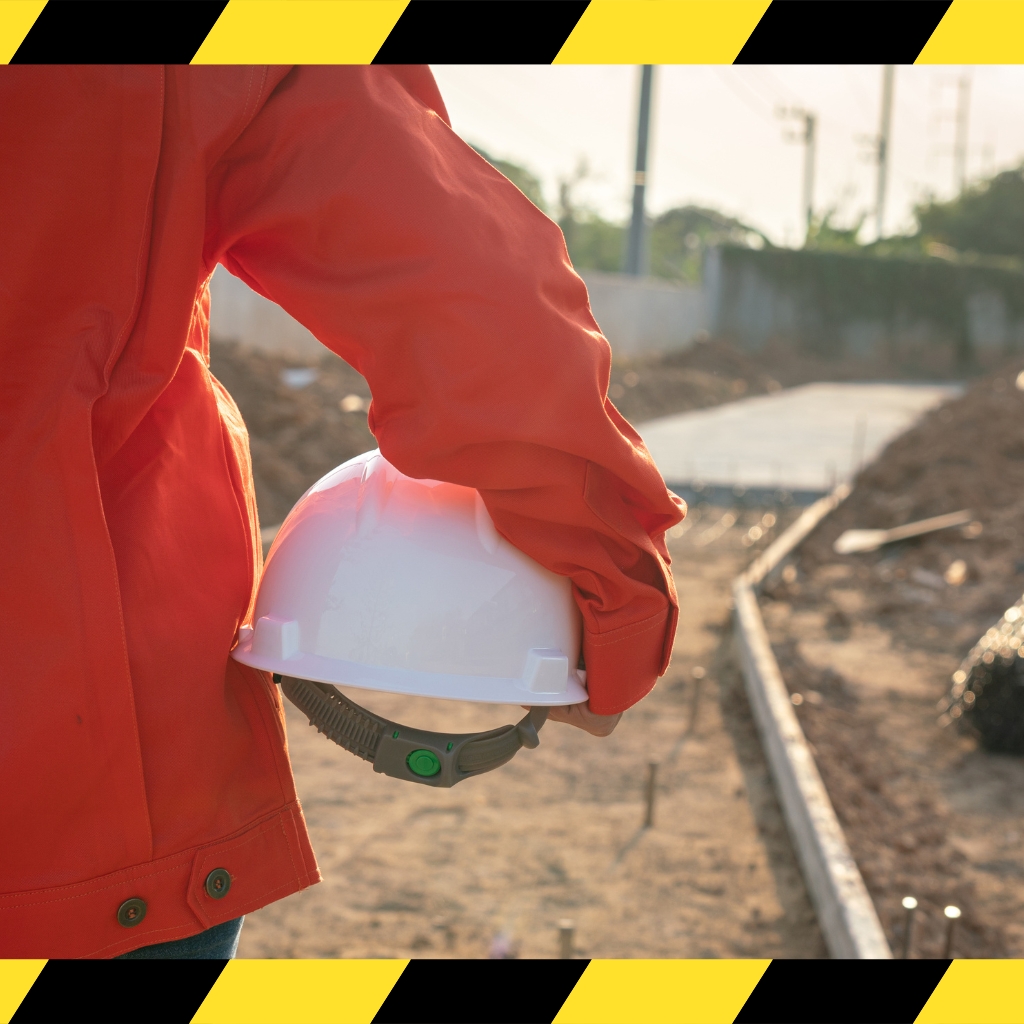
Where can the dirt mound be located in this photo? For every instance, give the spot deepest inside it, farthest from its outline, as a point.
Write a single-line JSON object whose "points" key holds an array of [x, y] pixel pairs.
{"points": [[943, 590], [303, 418], [715, 371], [709, 373]]}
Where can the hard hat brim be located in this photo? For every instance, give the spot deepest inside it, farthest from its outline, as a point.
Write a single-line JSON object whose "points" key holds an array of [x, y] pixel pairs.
{"points": [[474, 689]]}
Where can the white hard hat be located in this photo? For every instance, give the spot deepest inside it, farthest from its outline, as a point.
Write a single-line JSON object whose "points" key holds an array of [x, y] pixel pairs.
{"points": [[383, 582]]}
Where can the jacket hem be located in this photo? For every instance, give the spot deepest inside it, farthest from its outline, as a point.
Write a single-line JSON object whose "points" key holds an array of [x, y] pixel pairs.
{"points": [[267, 860]]}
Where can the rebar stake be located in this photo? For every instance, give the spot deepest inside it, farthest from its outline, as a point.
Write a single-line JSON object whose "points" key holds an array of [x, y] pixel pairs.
{"points": [[952, 916], [910, 906], [698, 672], [566, 933], [652, 775]]}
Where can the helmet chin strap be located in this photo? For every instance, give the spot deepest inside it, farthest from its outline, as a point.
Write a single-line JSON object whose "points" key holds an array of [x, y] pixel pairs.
{"points": [[416, 755]]}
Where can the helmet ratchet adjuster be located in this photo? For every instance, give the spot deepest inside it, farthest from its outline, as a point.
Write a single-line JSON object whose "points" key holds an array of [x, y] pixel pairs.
{"points": [[416, 755]]}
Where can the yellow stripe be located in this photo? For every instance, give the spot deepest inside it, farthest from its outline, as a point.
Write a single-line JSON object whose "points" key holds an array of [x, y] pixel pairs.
{"points": [[16, 978], [661, 991], [977, 992], [661, 31], [299, 992], [978, 32], [16, 18], [299, 32]]}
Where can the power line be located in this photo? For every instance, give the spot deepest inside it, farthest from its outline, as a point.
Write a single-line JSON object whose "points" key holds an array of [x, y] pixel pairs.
{"points": [[730, 80]]}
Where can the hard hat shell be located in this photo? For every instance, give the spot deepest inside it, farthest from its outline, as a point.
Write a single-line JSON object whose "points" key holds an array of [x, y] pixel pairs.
{"points": [[381, 581]]}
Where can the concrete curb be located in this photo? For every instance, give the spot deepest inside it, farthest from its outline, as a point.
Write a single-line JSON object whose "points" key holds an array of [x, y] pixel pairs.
{"points": [[845, 911]]}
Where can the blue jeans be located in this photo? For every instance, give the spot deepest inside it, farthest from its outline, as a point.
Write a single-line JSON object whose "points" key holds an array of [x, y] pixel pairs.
{"points": [[217, 943]]}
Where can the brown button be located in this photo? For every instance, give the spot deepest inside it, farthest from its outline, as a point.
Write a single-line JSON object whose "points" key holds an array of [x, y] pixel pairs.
{"points": [[131, 912], [218, 881]]}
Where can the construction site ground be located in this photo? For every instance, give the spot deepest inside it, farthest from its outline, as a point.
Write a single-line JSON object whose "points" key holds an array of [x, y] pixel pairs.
{"points": [[926, 813], [490, 867], [870, 641], [867, 641]]}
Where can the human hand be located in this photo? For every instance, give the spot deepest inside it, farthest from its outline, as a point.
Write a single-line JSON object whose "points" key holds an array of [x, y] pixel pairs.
{"points": [[580, 716]]}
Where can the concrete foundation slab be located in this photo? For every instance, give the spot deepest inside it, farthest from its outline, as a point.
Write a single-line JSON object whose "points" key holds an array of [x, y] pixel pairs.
{"points": [[802, 439]]}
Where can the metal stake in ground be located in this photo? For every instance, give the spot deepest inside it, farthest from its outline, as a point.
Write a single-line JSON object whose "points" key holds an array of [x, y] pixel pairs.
{"points": [[566, 933], [649, 790], [698, 674], [952, 916], [909, 905]]}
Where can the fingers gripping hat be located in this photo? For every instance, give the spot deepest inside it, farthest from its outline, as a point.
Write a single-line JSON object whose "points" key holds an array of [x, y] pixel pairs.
{"points": [[379, 581]]}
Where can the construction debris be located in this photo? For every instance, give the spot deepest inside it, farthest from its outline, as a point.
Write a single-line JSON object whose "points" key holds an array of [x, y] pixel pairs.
{"points": [[936, 591], [853, 541]]}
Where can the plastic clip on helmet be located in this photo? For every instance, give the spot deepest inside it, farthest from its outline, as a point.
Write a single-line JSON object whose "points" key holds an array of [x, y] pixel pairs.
{"points": [[379, 581]]}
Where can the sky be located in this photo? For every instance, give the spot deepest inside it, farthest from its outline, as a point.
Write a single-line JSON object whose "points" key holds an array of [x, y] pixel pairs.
{"points": [[718, 140]]}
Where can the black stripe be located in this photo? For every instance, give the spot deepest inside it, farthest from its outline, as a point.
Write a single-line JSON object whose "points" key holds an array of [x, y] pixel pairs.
{"points": [[842, 992], [118, 32], [481, 31], [472, 991], [842, 31], [118, 992]]}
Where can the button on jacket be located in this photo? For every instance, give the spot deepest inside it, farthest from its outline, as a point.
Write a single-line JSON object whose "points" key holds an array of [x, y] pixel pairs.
{"points": [[137, 760]]}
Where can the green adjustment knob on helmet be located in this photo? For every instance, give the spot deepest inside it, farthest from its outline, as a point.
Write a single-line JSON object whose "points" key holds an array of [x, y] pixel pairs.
{"points": [[424, 762], [402, 752]]}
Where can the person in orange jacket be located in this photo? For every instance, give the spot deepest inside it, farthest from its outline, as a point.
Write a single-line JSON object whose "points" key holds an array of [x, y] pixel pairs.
{"points": [[146, 796]]}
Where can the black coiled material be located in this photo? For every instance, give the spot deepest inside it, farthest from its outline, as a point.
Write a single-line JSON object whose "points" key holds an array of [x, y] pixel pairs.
{"points": [[987, 695]]}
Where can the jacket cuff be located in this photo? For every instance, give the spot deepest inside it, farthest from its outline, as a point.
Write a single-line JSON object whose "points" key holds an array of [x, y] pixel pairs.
{"points": [[624, 664]]}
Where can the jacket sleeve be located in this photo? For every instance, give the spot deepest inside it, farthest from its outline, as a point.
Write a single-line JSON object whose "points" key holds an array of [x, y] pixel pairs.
{"points": [[350, 202]]}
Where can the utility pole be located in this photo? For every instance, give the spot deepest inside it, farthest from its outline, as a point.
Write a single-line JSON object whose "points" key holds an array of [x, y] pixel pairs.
{"points": [[963, 111], [636, 251], [810, 122], [884, 131], [808, 136]]}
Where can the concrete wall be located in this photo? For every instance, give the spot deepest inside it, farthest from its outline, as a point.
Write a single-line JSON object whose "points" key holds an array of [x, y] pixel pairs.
{"points": [[645, 314], [237, 313], [853, 307], [636, 315]]}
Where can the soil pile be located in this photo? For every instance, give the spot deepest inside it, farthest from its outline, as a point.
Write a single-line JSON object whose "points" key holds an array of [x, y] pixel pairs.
{"points": [[943, 590], [709, 373], [713, 371], [303, 418]]}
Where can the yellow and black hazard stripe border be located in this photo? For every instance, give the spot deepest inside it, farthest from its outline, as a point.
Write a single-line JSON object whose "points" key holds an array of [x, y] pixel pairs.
{"points": [[540, 32], [519, 991], [512, 31]]}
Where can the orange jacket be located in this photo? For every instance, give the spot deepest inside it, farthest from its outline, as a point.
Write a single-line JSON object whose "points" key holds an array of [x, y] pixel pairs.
{"points": [[135, 755]]}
